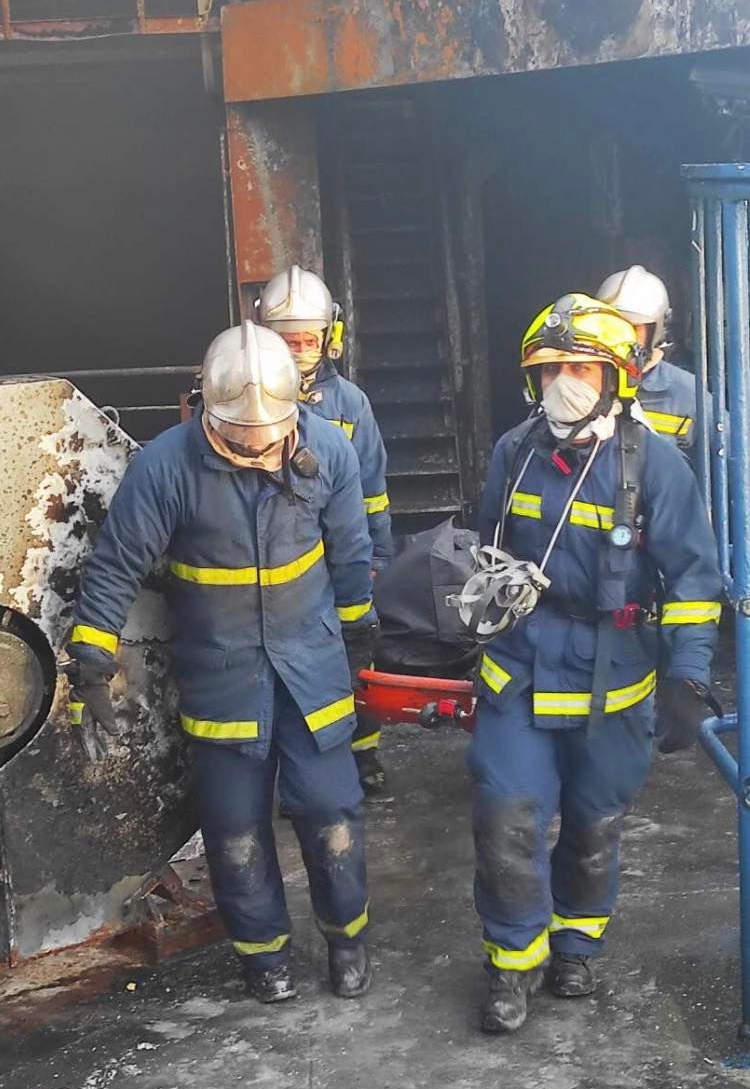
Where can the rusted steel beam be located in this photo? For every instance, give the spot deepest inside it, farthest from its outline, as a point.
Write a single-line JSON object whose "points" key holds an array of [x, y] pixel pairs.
{"points": [[273, 168], [282, 48], [5, 11], [66, 29]]}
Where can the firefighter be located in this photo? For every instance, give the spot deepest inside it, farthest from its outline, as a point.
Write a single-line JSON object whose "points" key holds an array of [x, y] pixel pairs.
{"points": [[582, 508], [258, 506], [298, 305], [666, 392]]}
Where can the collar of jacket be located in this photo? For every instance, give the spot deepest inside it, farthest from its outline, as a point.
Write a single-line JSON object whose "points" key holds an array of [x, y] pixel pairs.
{"points": [[657, 379], [326, 371]]}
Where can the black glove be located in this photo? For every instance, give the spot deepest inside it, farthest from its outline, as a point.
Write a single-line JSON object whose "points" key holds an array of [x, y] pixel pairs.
{"points": [[360, 648], [681, 707], [90, 708]]}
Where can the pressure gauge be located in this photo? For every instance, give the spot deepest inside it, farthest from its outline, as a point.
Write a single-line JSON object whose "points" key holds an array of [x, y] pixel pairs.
{"points": [[621, 536]]}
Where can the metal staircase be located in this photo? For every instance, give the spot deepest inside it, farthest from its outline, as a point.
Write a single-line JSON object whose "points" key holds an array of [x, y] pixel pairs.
{"points": [[392, 275]]}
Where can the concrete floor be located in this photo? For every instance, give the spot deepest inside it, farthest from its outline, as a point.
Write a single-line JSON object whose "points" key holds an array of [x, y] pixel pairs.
{"points": [[664, 1016]]}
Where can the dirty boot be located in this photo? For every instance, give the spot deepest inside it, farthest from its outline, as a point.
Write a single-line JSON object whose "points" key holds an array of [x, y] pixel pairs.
{"points": [[271, 985], [571, 976], [504, 1009], [370, 771], [350, 970]]}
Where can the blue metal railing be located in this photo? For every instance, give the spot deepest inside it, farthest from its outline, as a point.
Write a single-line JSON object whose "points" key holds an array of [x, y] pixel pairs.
{"points": [[720, 194]]}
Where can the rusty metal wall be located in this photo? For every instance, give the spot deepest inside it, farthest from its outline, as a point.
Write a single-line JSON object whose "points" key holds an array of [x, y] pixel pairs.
{"points": [[279, 48], [77, 838], [58, 20], [273, 167]]}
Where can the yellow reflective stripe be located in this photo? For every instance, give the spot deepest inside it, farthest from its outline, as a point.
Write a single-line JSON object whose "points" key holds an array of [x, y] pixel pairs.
{"points": [[356, 926], [667, 424], [347, 613], [591, 515], [594, 927], [215, 576], [691, 612], [374, 504], [520, 960], [325, 716], [346, 426], [493, 675], [95, 637], [287, 572], [248, 576], [219, 731], [75, 712], [526, 505], [579, 703], [249, 949], [370, 742]]}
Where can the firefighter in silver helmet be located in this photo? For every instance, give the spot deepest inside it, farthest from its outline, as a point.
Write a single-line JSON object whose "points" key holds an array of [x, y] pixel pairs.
{"points": [[667, 392], [298, 305], [258, 507]]}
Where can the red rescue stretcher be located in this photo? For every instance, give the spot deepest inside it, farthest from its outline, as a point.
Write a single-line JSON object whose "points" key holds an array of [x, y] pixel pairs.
{"points": [[392, 698]]}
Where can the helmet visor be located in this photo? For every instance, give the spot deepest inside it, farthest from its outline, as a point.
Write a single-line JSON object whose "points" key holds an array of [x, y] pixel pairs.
{"points": [[255, 436], [595, 332]]}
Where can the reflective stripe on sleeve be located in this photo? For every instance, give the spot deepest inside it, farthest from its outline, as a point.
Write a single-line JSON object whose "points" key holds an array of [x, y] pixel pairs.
{"points": [[493, 675], [249, 576], [346, 426], [75, 713], [219, 731], [94, 637], [579, 703], [249, 949], [370, 742], [526, 505], [519, 960], [691, 612], [333, 712], [593, 927], [374, 504], [350, 930], [667, 424], [347, 613]]}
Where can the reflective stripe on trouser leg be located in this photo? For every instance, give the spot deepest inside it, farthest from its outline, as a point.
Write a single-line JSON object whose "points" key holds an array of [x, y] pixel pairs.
{"points": [[516, 794], [519, 960], [235, 798], [321, 791], [601, 777], [366, 735]]}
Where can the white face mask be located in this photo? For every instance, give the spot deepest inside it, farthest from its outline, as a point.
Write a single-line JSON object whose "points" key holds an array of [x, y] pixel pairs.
{"points": [[566, 401], [308, 360]]}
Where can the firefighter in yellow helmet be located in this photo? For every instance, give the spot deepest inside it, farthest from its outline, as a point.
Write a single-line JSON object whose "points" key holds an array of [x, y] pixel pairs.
{"points": [[583, 511], [298, 305]]}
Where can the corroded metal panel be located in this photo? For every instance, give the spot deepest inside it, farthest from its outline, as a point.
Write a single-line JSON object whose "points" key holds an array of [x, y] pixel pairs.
{"points": [[272, 148], [76, 838], [282, 48]]}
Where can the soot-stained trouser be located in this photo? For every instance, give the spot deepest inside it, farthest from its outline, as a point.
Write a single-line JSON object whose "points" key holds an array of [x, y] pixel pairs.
{"points": [[257, 505], [609, 514], [298, 305]]}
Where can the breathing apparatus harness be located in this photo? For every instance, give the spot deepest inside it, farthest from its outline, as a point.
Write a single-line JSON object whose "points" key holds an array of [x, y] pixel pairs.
{"points": [[503, 590]]}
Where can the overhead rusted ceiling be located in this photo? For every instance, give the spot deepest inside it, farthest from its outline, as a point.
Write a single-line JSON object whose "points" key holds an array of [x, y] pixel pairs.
{"points": [[282, 48]]}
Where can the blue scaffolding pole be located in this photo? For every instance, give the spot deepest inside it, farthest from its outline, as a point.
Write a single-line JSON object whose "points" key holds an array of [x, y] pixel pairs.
{"points": [[720, 194]]}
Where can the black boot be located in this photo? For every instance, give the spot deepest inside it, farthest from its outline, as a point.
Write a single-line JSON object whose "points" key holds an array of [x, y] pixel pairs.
{"points": [[571, 976], [269, 985], [504, 1009], [350, 970], [370, 770]]}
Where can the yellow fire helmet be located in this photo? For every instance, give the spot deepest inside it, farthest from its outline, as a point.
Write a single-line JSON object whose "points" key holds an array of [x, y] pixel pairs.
{"points": [[579, 326]]}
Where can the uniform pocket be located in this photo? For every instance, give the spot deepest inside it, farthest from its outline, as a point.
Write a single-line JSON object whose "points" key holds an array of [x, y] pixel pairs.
{"points": [[330, 621]]}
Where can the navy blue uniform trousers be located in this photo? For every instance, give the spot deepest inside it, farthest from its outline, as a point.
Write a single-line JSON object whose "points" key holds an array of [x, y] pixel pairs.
{"points": [[235, 787], [528, 898]]}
